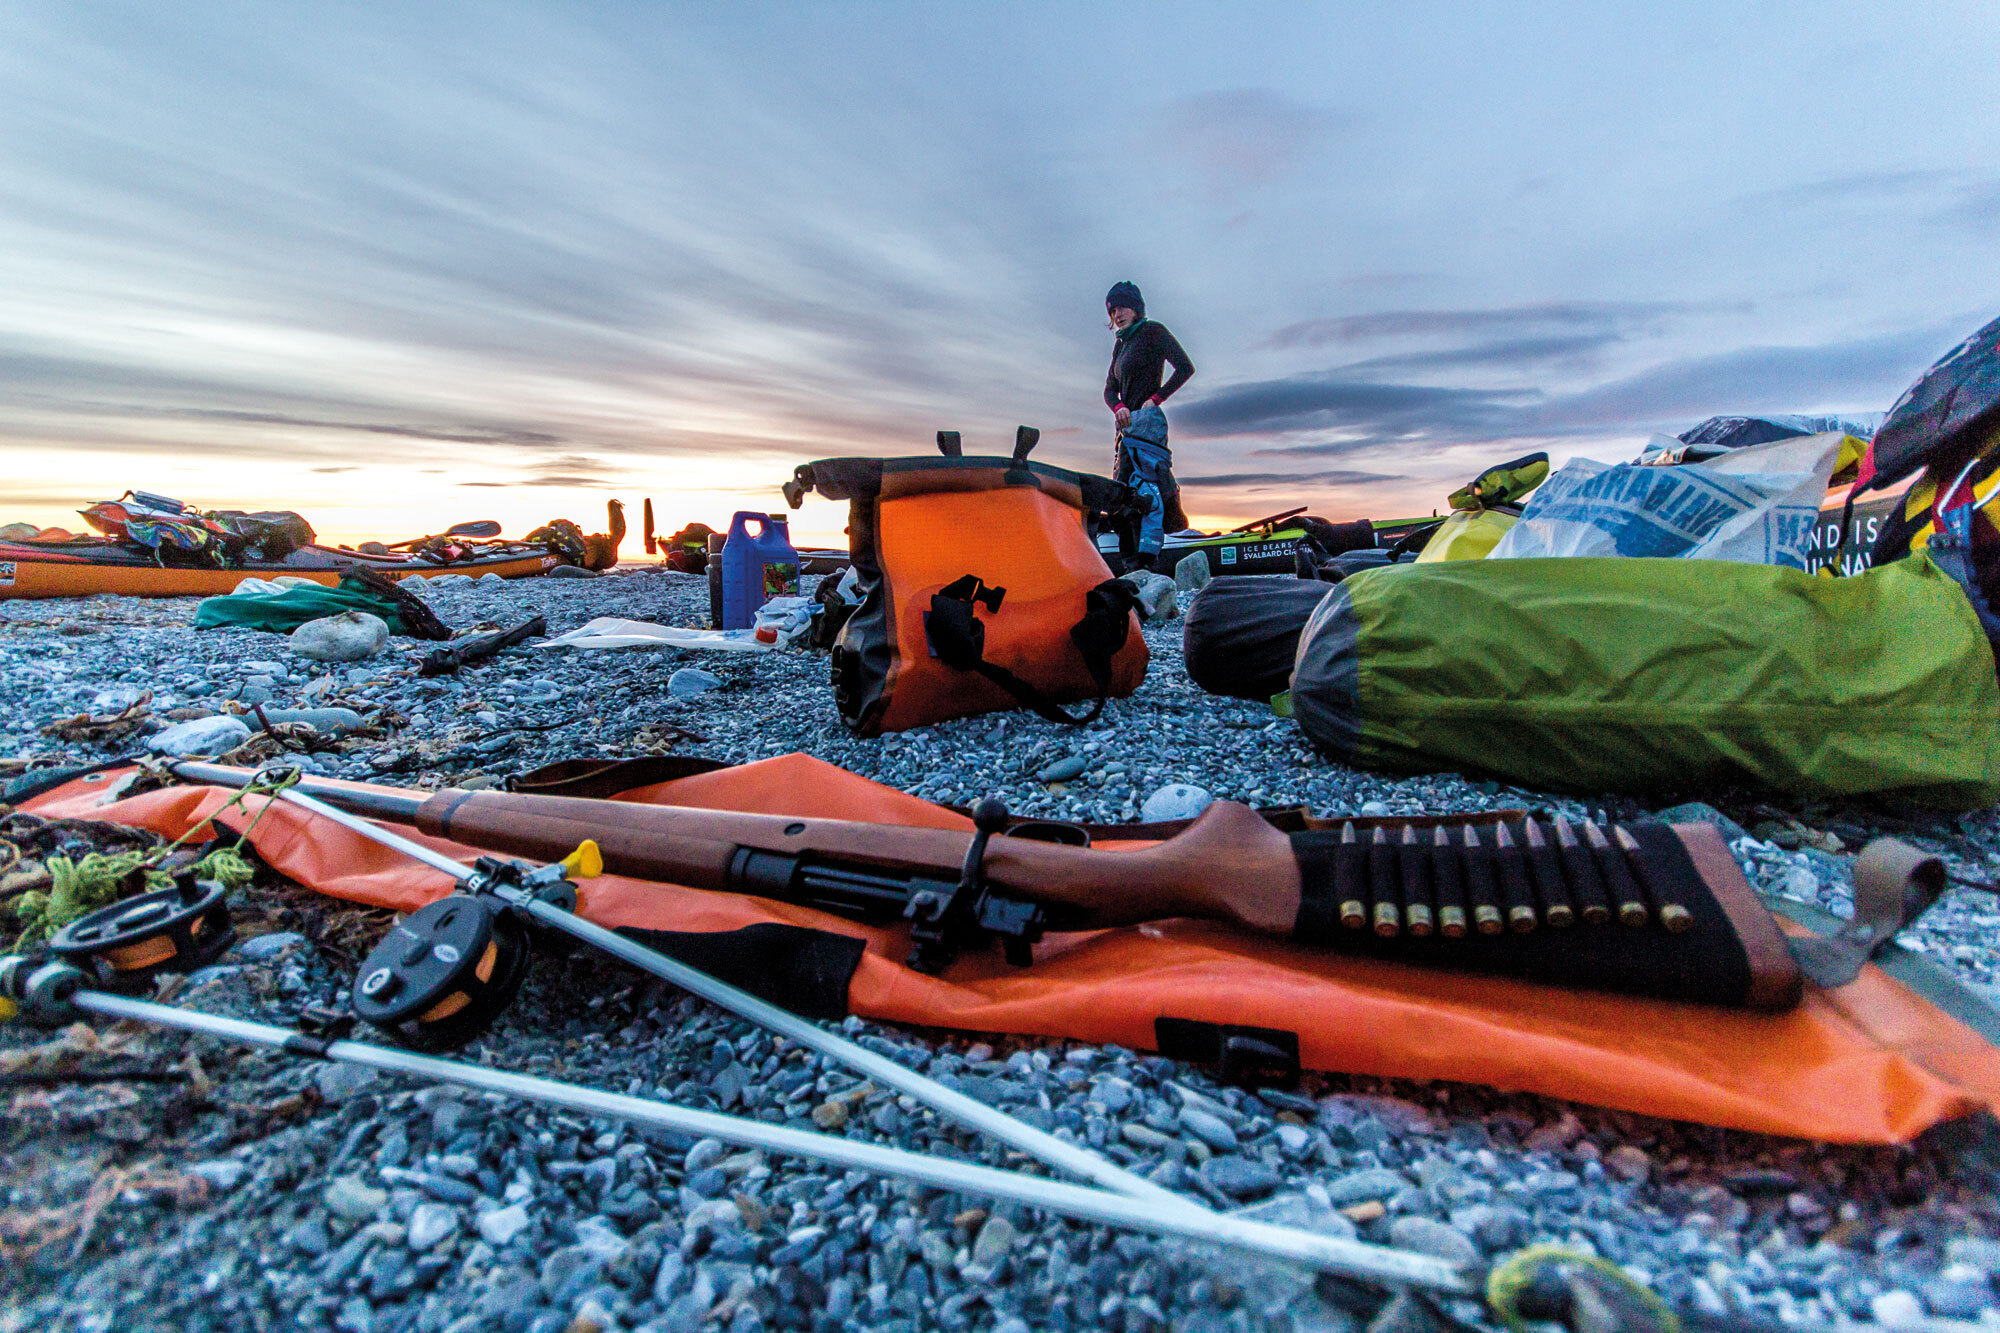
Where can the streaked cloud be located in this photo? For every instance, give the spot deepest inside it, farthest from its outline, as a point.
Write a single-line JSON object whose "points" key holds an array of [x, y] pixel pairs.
{"points": [[1602, 318], [1333, 477], [550, 251]]}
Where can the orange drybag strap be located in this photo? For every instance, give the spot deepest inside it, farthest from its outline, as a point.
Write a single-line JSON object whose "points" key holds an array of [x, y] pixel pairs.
{"points": [[958, 637]]}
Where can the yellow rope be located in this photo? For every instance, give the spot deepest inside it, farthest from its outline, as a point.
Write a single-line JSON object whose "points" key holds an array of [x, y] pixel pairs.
{"points": [[1512, 1276], [81, 887]]}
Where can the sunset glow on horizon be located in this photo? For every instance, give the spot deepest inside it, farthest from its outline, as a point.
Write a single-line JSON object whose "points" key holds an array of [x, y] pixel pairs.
{"points": [[399, 267]]}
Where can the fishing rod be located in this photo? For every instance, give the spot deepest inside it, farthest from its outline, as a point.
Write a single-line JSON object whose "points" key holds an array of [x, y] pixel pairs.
{"points": [[473, 958], [54, 991]]}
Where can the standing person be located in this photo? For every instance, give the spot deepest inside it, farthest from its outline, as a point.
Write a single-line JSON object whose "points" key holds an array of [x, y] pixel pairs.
{"points": [[1134, 390]]}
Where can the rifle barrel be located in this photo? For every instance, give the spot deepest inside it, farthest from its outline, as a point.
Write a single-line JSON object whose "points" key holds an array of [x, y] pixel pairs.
{"points": [[371, 801]]}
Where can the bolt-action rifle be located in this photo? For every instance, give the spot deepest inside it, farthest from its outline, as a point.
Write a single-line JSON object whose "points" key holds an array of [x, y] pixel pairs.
{"points": [[1680, 921]]}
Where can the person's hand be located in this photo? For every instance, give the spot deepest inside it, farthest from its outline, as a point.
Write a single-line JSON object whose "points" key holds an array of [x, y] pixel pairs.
{"points": [[1122, 415]]}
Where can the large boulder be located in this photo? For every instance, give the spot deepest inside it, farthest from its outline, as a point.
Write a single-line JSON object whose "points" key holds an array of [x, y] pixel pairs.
{"points": [[347, 637], [204, 735]]}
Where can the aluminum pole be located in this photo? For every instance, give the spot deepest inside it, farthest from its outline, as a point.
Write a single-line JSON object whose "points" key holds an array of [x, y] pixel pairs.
{"points": [[1329, 1254]]}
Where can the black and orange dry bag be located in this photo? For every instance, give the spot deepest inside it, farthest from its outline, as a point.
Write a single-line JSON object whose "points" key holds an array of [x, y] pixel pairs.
{"points": [[981, 588]]}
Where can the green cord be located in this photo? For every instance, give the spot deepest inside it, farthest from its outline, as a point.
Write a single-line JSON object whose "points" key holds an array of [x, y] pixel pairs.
{"points": [[1510, 1278], [81, 887]]}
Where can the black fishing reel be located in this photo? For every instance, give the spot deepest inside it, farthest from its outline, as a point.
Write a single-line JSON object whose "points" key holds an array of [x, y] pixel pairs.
{"points": [[444, 973], [124, 946]]}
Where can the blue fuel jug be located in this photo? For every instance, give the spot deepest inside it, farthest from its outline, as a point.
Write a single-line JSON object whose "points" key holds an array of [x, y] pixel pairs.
{"points": [[756, 569]]}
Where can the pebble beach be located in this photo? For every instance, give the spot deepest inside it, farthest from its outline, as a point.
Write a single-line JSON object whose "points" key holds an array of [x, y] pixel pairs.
{"points": [[192, 1185]]}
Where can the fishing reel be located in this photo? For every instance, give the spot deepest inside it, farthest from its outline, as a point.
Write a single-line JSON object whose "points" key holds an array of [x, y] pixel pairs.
{"points": [[122, 947], [444, 973], [125, 946], [447, 971]]}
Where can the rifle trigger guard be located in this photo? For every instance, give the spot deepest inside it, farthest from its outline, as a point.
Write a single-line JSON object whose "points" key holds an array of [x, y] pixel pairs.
{"points": [[942, 922]]}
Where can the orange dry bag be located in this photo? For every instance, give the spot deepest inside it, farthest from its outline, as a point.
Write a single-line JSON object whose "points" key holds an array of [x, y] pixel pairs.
{"points": [[981, 588]]}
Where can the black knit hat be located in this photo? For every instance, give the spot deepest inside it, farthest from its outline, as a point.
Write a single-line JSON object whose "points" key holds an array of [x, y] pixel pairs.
{"points": [[1125, 294]]}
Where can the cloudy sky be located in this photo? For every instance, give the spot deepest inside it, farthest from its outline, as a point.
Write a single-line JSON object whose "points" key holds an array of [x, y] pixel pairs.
{"points": [[397, 265]]}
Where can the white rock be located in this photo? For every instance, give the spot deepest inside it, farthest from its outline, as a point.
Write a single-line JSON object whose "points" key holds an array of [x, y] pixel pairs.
{"points": [[431, 1223], [704, 1154], [1176, 800], [260, 947], [503, 1224], [332, 721], [352, 1198], [1895, 1307], [347, 637], [601, 1239], [224, 1174], [204, 735]]}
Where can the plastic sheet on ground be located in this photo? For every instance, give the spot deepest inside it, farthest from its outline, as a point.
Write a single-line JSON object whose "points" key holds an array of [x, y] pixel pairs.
{"points": [[611, 632]]}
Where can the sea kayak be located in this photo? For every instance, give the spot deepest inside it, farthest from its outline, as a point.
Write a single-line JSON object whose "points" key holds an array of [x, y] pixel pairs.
{"points": [[84, 566], [1263, 547]]}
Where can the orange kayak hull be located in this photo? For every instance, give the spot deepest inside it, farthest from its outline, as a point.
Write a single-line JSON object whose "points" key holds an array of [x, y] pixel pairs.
{"points": [[71, 570]]}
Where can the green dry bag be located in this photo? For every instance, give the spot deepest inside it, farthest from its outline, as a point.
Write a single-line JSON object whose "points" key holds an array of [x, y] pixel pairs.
{"points": [[1655, 675]]}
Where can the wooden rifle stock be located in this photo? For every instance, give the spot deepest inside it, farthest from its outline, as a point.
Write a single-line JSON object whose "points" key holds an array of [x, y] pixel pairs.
{"points": [[960, 889], [1229, 864]]}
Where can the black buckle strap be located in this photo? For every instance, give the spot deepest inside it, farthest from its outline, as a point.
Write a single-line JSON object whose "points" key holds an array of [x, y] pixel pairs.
{"points": [[1237, 1054], [958, 637]]}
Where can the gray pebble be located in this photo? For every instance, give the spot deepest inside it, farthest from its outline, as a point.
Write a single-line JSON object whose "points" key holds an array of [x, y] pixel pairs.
{"points": [[338, 1083], [1240, 1177], [690, 681], [1210, 1129], [1064, 769], [1362, 1186], [996, 1240], [1428, 1237]]}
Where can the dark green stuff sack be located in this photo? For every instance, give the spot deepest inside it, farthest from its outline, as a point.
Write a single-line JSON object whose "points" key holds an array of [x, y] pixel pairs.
{"points": [[1643, 675], [283, 612]]}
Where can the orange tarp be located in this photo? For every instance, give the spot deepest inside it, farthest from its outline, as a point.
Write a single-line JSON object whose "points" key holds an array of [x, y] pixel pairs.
{"points": [[1869, 1063]]}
